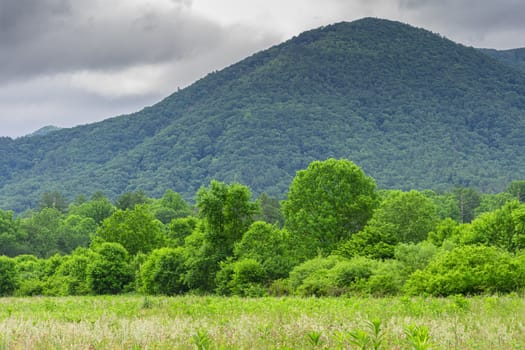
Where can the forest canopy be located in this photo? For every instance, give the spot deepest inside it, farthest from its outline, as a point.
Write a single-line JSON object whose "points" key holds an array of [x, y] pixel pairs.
{"points": [[335, 234]]}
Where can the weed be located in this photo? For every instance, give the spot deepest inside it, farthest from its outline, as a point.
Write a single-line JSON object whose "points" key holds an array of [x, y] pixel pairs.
{"points": [[373, 336], [418, 337], [376, 333], [202, 340], [360, 338], [147, 303], [314, 338]]}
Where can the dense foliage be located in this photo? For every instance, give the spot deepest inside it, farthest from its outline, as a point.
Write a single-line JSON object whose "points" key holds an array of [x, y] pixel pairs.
{"points": [[413, 109], [340, 237]]}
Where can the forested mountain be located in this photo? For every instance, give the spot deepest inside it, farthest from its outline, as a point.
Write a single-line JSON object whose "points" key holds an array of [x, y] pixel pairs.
{"points": [[44, 130], [413, 109], [514, 58]]}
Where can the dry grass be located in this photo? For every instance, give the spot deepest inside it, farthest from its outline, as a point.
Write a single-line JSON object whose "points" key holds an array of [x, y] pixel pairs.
{"points": [[135, 322]]}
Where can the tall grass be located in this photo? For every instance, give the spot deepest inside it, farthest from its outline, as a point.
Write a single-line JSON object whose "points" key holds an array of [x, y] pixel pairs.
{"points": [[189, 322]]}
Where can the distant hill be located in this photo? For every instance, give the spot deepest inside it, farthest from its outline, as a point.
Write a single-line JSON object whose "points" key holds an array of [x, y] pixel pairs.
{"points": [[514, 58], [44, 130], [413, 109]]}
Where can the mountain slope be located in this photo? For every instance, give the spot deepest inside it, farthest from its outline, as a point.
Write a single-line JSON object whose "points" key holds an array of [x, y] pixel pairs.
{"points": [[514, 58], [413, 109]]}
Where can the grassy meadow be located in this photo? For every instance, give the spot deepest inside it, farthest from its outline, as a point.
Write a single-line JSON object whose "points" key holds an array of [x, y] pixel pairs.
{"points": [[191, 322]]}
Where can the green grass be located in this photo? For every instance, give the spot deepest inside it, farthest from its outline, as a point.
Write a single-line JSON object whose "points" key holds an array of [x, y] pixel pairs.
{"points": [[190, 322]]}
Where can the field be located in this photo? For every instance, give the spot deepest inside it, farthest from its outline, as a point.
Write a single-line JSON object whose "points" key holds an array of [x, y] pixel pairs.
{"points": [[191, 322]]}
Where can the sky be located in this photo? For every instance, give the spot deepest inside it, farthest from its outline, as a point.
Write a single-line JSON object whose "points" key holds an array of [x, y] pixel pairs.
{"points": [[72, 62]]}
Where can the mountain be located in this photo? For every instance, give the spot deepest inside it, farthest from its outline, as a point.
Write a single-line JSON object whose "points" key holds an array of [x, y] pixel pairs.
{"points": [[44, 130], [412, 108], [514, 58]]}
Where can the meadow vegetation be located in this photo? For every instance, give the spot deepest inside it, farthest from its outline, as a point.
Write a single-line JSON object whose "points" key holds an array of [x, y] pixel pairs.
{"points": [[211, 322]]}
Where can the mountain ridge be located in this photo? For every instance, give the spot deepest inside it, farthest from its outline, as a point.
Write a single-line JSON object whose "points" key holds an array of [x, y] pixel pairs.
{"points": [[397, 100]]}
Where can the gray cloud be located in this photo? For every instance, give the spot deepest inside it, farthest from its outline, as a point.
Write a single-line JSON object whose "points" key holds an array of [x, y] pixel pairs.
{"points": [[52, 36], [477, 23], [67, 62]]}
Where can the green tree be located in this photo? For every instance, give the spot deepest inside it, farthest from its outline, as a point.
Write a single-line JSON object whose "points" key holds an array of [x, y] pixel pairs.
{"points": [[136, 229], [446, 205], [244, 277], [468, 270], [272, 247], [109, 272], [517, 189], [8, 276], [97, 209], [503, 228], [270, 210], [402, 217], [328, 202], [74, 231], [447, 229], [41, 231], [179, 229], [129, 200], [226, 212], [170, 206], [71, 277], [163, 272], [30, 271], [201, 261], [12, 241], [55, 200], [467, 200], [492, 201]]}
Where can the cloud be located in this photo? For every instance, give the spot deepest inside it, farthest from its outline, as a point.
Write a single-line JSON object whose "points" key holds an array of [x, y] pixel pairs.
{"points": [[495, 24], [56, 36], [65, 62]]}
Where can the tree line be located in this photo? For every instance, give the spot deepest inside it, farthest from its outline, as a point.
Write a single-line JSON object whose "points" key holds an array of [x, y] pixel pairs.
{"points": [[334, 234]]}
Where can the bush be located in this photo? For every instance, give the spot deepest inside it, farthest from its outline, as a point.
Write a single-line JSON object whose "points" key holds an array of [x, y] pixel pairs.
{"points": [[245, 277], [414, 256], [468, 270], [71, 276], [270, 246], [8, 276], [387, 279], [109, 272], [334, 276], [30, 271], [349, 272], [163, 271], [301, 272]]}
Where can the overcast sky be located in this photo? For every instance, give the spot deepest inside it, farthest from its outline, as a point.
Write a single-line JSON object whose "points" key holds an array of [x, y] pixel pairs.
{"points": [[70, 62]]}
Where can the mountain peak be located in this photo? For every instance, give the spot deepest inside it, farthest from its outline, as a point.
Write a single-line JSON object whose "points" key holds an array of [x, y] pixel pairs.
{"points": [[413, 109]]}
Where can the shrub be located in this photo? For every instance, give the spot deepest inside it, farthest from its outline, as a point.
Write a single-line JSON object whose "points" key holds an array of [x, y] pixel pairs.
{"points": [[71, 276], [301, 272], [245, 277], [163, 271], [109, 272], [30, 272], [270, 246], [8, 276], [414, 256], [387, 279], [468, 270]]}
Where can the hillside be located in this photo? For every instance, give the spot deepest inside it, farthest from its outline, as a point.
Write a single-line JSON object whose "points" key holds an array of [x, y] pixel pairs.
{"points": [[514, 58], [413, 109], [44, 130]]}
